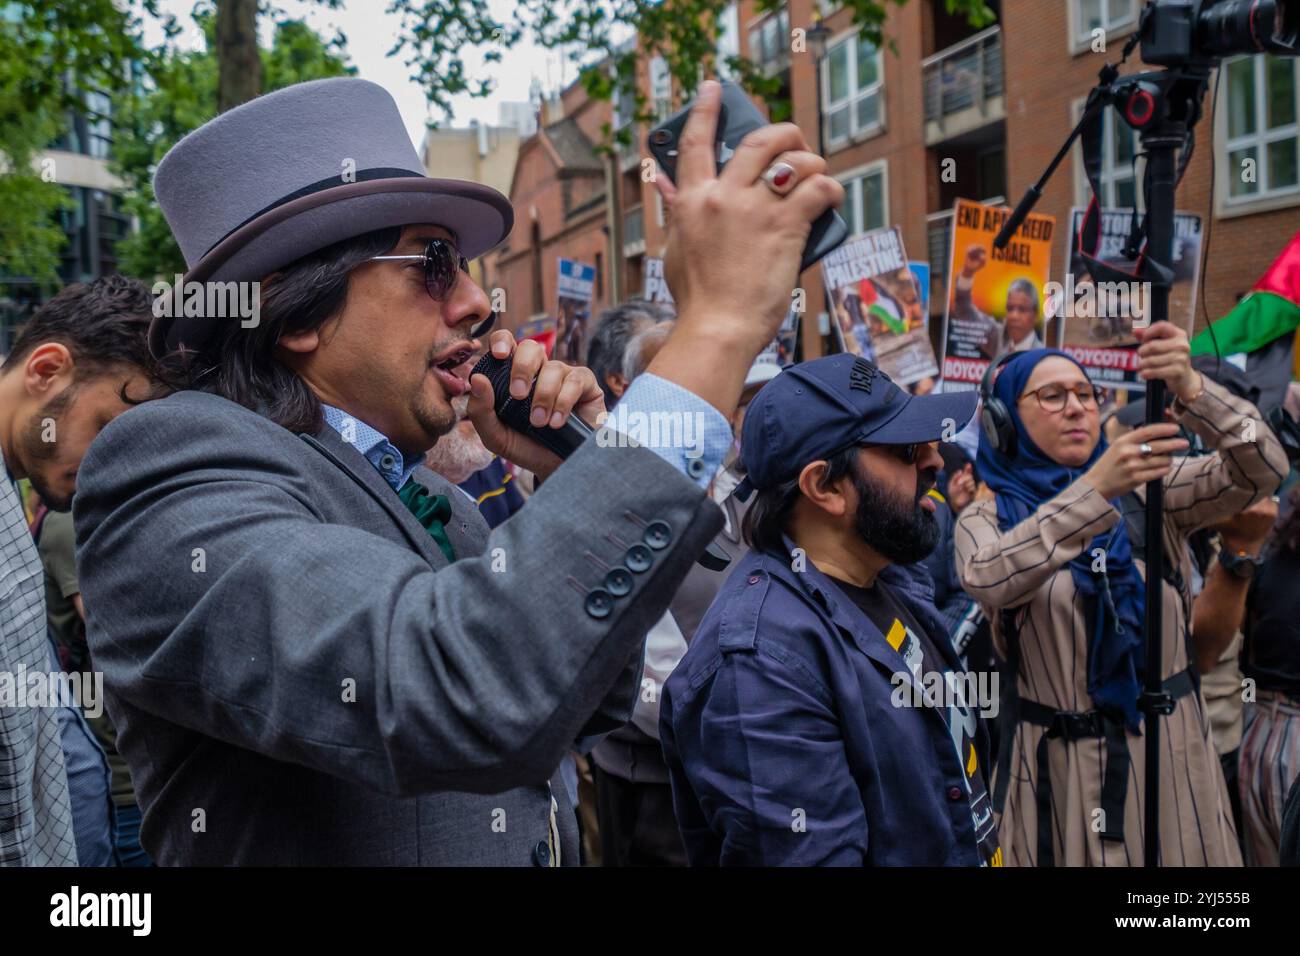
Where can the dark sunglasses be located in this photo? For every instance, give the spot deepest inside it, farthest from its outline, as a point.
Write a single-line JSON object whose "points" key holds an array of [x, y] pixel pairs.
{"points": [[908, 454], [443, 264]]}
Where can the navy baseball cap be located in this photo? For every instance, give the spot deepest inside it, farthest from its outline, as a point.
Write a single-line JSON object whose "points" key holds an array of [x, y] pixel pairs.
{"points": [[814, 409]]}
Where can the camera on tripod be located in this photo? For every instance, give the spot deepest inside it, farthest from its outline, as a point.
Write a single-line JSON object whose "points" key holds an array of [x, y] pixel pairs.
{"points": [[1201, 32]]}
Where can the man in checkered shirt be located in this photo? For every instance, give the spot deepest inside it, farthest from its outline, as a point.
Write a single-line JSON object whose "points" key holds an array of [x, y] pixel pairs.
{"points": [[79, 362]]}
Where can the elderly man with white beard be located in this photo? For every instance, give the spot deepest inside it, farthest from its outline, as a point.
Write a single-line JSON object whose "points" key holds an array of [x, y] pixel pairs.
{"points": [[461, 457]]}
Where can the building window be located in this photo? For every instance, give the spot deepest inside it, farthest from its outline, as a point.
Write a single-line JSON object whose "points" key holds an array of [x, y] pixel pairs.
{"points": [[661, 88], [769, 42], [633, 232], [1119, 147], [852, 77], [866, 198], [99, 126], [1107, 15], [1261, 147], [728, 39]]}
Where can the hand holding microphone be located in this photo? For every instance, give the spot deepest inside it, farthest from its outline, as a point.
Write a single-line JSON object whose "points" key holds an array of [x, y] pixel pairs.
{"points": [[512, 421], [557, 412]]}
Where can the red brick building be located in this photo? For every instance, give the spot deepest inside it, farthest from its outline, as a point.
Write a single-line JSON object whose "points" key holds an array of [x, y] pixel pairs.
{"points": [[558, 192], [997, 102]]}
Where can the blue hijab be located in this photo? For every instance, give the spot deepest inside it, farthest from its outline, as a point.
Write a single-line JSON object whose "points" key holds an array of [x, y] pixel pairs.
{"points": [[1117, 644]]}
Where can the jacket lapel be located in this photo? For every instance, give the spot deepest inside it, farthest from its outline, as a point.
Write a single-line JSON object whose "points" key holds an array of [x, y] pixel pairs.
{"points": [[329, 443]]}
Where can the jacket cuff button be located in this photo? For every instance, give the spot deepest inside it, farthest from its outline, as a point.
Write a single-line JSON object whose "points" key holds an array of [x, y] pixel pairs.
{"points": [[542, 854], [638, 558], [599, 604], [658, 535], [619, 582]]}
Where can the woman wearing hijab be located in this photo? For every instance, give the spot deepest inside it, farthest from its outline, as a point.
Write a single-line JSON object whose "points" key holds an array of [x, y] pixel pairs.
{"points": [[1052, 561]]}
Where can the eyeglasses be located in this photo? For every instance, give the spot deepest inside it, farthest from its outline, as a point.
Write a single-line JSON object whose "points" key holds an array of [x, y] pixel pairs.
{"points": [[443, 264], [1054, 398]]}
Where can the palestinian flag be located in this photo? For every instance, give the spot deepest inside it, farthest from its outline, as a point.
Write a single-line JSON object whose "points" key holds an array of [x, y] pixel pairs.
{"points": [[881, 306], [1271, 309]]}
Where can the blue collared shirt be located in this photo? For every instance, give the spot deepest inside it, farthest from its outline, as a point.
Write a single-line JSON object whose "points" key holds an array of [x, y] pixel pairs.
{"points": [[374, 445], [677, 425]]}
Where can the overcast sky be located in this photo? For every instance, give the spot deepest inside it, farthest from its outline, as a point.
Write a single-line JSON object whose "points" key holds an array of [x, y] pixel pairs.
{"points": [[370, 33]]}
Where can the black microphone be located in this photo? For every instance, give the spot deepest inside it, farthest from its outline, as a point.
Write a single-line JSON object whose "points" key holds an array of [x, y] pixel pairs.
{"points": [[564, 441]]}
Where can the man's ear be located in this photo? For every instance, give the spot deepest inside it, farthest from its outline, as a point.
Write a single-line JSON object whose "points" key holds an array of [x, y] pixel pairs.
{"points": [[830, 498], [617, 383], [301, 343], [48, 369]]}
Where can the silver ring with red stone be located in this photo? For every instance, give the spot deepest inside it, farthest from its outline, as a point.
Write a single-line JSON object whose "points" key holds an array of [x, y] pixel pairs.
{"points": [[779, 178]]}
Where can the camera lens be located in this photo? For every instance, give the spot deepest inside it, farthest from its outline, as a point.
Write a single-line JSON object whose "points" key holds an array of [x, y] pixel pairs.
{"points": [[1249, 26]]}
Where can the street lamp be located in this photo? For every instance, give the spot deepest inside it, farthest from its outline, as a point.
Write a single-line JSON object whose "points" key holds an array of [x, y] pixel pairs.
{"points": [[818, 35]]}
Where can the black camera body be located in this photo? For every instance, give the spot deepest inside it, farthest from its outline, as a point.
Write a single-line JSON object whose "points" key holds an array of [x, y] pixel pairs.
{"points": [[1177, 33]]}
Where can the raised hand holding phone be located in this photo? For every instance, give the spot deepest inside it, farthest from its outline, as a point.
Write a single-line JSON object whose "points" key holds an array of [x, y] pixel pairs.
{"points": [[734, 247]]}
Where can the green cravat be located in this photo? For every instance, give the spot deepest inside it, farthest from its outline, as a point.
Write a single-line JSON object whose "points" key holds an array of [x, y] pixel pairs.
{"points": [[432, 511]]}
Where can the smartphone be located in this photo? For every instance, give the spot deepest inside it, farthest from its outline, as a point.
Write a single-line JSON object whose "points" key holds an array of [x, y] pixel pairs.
{"points": [[738, 116]]}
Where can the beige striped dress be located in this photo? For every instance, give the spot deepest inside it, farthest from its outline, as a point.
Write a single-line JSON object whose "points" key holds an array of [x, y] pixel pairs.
{"points": [[1027, 566]]}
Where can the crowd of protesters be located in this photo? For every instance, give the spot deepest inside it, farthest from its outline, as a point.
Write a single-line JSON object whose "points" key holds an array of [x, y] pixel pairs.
{"points": [[343, 615]]}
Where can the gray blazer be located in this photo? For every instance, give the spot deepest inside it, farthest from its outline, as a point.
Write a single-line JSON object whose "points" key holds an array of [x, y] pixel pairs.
{"points": [[299, 677]]}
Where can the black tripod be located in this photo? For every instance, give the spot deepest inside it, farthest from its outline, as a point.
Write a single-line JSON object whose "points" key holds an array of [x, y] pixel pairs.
{"points": [[1163, 106]]}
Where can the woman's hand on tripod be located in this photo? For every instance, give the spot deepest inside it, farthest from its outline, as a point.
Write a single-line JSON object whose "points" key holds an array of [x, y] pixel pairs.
{"points": [[1165, 353], [1123, 466]]}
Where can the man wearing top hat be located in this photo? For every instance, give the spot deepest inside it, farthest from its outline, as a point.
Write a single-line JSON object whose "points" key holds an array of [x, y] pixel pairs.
{"points": [[314, 650]]}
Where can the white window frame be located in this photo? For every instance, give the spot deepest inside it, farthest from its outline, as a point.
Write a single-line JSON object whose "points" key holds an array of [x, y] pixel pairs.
{"points": [[1227, 205], [759, 25], [855, 135], [1110, 174], [1081, 39], [728, 38], [851, 180], [661, 88]]}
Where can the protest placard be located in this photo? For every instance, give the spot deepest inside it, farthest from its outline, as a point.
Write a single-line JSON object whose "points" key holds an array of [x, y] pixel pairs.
{"points": [[994, 295], [873, 296], [1096, 324]]}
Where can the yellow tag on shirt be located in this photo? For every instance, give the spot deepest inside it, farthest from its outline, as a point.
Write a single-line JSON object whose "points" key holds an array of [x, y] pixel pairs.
{"points": [[896, 634]]}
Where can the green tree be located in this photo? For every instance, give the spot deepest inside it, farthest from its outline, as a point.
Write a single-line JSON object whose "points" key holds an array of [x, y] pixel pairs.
{"points": [[43, 45], [179, 95]]}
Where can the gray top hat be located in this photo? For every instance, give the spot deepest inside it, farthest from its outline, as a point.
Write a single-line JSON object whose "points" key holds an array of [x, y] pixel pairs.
{"points": [[297, 170]]}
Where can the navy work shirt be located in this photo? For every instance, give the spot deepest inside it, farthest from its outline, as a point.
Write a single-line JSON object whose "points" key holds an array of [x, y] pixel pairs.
{"points": [[785, 741]]}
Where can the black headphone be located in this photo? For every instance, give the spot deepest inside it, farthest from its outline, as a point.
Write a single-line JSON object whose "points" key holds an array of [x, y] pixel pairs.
{"points": [[995, 418]]}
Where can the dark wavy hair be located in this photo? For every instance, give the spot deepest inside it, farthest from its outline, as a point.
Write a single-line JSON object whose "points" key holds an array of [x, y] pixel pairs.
{"points": [[240, 364], [768, 518], [104, 325]]}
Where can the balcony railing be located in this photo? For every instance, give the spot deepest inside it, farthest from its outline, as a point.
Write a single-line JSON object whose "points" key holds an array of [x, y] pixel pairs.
{"points": [[964, 76]]}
